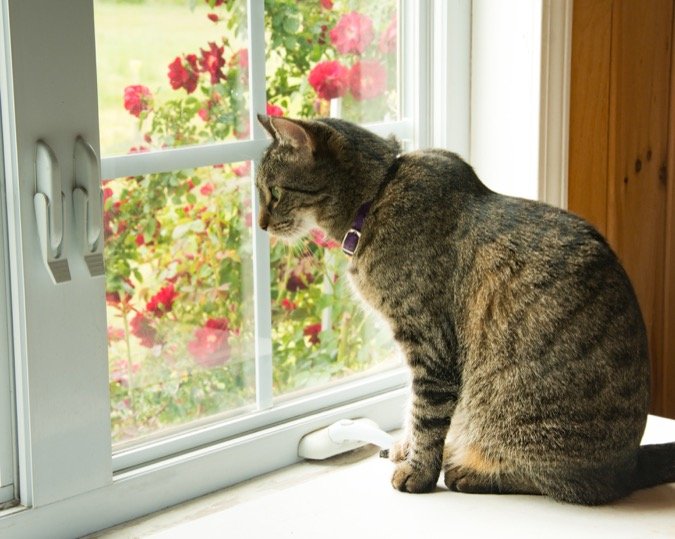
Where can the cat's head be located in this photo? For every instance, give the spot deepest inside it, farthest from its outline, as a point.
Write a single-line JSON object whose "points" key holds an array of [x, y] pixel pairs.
{"points": [[293, 182]]}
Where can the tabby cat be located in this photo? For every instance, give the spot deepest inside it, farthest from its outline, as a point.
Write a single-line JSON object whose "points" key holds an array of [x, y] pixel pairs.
{"points": [[527, 349]]}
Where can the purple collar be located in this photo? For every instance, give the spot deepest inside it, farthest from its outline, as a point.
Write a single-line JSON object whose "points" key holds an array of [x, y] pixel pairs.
{"points": [[351, 240]]}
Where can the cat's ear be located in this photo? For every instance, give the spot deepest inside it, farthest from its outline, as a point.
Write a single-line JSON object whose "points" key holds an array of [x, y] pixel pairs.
{"points": [[265, 122], [293, 133]]}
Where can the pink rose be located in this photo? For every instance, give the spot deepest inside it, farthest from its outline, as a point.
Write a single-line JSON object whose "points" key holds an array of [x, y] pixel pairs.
{"points": [[367, 79], [352, 33], [329, 79], [387, 42], [137, 98], [206, 189], [210, 346], [322, 241]]}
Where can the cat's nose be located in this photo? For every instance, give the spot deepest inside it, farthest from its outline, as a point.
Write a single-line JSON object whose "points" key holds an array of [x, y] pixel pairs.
{"points": [[264, 220]]}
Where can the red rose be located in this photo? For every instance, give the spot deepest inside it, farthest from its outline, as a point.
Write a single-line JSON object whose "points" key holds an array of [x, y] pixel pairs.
{"points": [[352, 33], [367, 79], [312, 331], [273, 110], [288, 305], [141, 328], [327, 4], [140, 240], [210, 346], [329, 79], [387, 42], [212, 62], [162, 301], [137, 98], [184, 73]]}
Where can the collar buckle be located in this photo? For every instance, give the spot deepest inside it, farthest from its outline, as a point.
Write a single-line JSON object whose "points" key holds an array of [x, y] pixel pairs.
{"points": [[351, 241]]}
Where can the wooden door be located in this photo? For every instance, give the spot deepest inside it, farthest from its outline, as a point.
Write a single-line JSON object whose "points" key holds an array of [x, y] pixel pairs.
{"points": [[620, 153]]}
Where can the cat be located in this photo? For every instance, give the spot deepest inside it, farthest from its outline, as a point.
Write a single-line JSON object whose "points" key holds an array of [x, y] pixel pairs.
{"points": [[526, 345]]}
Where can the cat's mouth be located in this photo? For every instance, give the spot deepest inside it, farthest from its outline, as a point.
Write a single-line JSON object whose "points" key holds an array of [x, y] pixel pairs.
{"points": [[289, 230]]}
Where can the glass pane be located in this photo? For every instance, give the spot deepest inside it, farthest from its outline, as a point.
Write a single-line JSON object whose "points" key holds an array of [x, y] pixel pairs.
{"points": [[341, 59], [320, 333], [180, 297], [170, 72]]}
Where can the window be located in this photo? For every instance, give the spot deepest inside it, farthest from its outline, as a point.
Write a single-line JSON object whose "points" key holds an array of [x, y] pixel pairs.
{"points": [[70, 443], [179, 244], [62, 334]]}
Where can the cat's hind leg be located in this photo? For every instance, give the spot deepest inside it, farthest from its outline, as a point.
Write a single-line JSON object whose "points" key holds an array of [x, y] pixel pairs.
{"points": [[472, 482], [469, 470]]}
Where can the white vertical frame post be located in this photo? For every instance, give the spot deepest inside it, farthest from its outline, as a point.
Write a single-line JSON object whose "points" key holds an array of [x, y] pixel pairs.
{"points": [[7, 445], [417, 49], [451, 75], [556, 73], [261, 244], [59, 331], [505, 94]]}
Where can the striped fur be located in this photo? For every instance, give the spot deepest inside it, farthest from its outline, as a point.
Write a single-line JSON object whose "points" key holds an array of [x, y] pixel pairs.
{"points": [[526, 345]]}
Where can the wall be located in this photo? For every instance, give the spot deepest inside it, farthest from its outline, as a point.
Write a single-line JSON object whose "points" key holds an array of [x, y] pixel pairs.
{"points": [[620, 150], [505, 94]]}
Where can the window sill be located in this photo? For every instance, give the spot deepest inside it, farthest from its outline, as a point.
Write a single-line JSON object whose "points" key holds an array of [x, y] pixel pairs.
{"points": [[350, 495]]}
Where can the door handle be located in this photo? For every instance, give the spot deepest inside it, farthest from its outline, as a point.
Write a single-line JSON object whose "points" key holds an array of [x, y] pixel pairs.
{"points": [[49, 203], [88, 205]]}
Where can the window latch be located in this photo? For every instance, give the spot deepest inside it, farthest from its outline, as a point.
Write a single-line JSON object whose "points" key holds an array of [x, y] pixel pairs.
{"points": [[49, 202], [88, 205]]}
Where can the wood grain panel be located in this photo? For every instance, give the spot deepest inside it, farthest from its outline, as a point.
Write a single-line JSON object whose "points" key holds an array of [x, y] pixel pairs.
{"points": [[638, 152], [589, 110], [668, 361]]}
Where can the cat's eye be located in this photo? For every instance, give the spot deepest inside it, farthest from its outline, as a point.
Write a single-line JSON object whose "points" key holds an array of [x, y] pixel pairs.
{"points": [[276, 193]]}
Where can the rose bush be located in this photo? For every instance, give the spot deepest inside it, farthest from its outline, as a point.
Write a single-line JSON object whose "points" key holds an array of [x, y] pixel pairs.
{"points": [[178, 244]]}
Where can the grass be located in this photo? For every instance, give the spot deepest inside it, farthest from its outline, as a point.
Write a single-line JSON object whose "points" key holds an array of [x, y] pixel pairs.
{"points": [[135, 42]]}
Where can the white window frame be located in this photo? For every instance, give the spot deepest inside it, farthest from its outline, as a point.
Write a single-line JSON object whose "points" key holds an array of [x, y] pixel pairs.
{"points": [[70, 487], [7, 446]]}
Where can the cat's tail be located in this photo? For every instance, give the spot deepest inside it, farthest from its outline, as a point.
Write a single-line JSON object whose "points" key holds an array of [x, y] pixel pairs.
{"points": [[656, 465]]}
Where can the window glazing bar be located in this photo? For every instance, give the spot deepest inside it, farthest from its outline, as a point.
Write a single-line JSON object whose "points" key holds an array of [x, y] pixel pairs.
{"points": [[262, 297]]}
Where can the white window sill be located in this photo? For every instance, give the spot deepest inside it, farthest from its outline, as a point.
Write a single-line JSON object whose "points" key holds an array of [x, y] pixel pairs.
{"points": [[350, 496]]}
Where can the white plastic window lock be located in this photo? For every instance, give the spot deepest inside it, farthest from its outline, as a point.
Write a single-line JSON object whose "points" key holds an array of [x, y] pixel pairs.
{"points": [[342, 436], [49, 213], [88, 206]]}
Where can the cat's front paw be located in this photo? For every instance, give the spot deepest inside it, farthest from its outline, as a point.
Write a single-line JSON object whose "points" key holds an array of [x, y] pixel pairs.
{"points": [[399, 451], [407, 478]]}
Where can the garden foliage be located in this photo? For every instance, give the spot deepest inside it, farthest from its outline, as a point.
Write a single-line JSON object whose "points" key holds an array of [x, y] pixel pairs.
{"points": [[178, 244]]}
